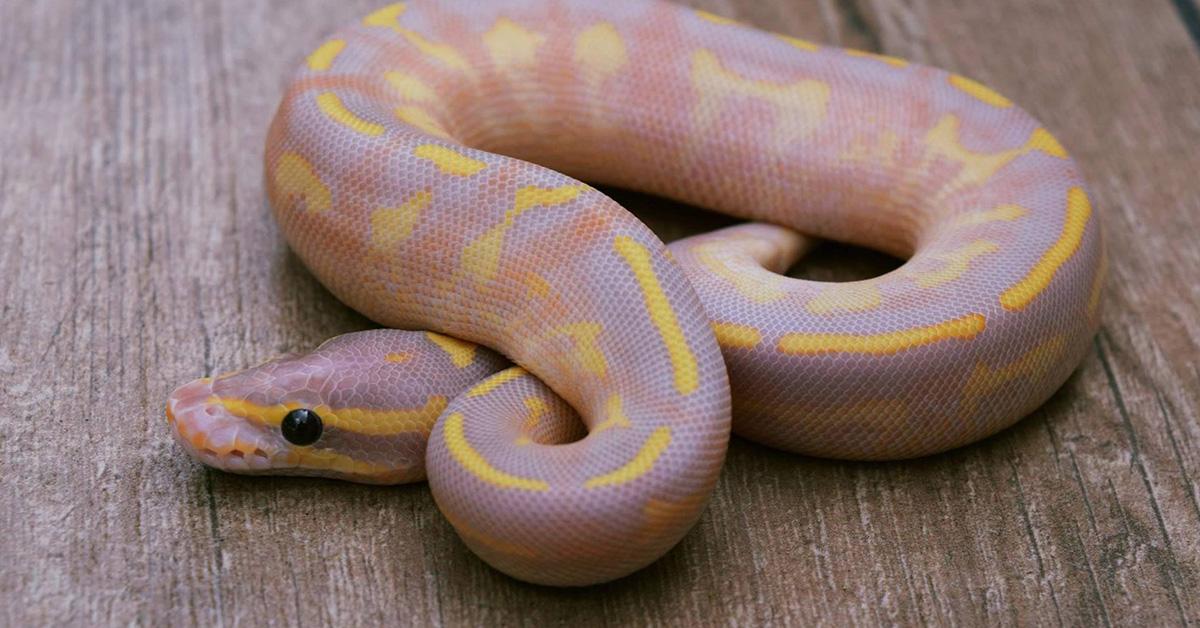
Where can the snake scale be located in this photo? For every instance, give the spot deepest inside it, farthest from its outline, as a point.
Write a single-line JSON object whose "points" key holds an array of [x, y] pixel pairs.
{"points": [[425, 164]]}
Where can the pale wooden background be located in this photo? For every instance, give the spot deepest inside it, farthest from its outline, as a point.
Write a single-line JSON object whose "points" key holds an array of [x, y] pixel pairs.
{"points": [[136, 252]]}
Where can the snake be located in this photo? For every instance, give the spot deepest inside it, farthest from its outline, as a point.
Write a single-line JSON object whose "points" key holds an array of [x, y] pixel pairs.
{"points": [[567, 383]]}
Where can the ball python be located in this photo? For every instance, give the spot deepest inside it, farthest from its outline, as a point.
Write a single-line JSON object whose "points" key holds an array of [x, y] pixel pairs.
{"points": [[425, 165]]}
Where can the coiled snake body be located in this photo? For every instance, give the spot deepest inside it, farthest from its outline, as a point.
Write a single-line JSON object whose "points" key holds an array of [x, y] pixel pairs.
{"points": [[401, 168]]}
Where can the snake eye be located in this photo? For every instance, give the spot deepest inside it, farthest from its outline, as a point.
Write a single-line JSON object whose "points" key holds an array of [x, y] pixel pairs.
{"points": [[302, 427]]}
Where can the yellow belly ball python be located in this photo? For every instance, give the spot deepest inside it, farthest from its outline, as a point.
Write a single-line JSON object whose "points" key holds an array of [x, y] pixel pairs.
{"points": [[424, 164]]}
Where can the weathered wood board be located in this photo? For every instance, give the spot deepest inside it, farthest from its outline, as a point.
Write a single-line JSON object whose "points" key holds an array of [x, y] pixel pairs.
{"points": [[136, 252]]}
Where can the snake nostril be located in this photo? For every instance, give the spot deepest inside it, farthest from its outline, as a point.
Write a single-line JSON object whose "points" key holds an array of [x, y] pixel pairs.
{"points": [[210, 410]]}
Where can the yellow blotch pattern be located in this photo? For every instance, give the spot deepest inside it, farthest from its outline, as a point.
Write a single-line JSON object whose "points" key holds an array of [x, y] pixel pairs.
{"points": [[496, 381], [410, 87], [461, 353], [1004, 213], [334, 109], [309, 458], [954, 264], [536, 286], [985, 380], [294, 177], [392, 225], [683, 361], [388, 17], [512, 46], [757, 288], [444, 53], [847, 297], [895, 62], [976, 168], [600, 52], [640, 465], [449, 160], [366, 421], [734, 335], [1022, 293], [1042, 140], [537, 409], [398, 358], [614, 415], [802, 44], [477, 465], [326, 460], [880, 148], [886, 343], [322, 58], [979, 91], [587, 350], [800, 107], [481, 258], [714, 18]]}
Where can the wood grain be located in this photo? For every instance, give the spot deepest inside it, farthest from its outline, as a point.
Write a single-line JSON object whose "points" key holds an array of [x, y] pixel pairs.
{"points": [[136, 252]]}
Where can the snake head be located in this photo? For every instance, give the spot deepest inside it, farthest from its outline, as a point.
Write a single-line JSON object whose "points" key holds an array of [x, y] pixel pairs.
{"points": [[357, 408]]}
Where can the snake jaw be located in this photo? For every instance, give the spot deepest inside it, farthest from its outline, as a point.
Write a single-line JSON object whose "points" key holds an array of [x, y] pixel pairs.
{"points": [[217, 438]]}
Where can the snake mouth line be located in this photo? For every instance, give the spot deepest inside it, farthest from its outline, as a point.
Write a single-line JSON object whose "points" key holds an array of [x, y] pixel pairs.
{"points": [[253, 457], [239, 455], [212, 435]]}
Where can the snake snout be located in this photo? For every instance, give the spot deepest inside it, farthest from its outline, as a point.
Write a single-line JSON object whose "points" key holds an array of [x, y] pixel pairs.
{"points": [[210, 434]]}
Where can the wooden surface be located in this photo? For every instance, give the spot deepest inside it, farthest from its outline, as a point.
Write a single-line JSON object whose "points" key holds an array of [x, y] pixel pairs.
{"points": [[136, 252]]}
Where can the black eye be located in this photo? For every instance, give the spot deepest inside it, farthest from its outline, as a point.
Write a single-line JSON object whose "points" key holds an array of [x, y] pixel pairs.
{"points": [[302, 427]]}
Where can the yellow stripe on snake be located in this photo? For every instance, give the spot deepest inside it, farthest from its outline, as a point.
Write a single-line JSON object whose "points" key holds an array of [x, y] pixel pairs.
{"points": [[425, 164]]}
